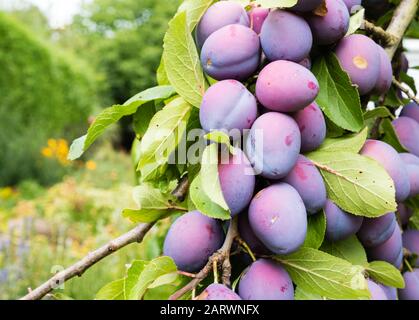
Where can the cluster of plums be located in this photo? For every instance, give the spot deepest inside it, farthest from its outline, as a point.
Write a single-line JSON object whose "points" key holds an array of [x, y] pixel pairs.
{"points": [[284, 121]]}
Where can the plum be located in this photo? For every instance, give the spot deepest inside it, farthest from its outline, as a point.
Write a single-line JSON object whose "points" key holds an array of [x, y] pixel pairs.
{"points": [[390, 251], [232, 52], [375, 231], [404, 213], [404, 63], [413, 172], [192, 239], [266, 280], [388, 157], [407, 131], [273, 145], [237, 181], [312, 126], [306, 63], [307, 180], [306, 5], [411, 290], [411, 110], [257, 17], [340, 224], [360, 58], [377, 292], [227, 105], [351, 3], [385, 76], [411, 242], [218, 291], [286, 86], [278, 218], [220, 14], [285, 36], [390, 292], [247, 234], [409, 158], [331, 27]]}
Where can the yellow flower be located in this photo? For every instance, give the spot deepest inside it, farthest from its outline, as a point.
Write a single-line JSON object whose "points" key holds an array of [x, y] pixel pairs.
{"points": [[47, 152], [52, 143], [6, 192], [91, 165]]}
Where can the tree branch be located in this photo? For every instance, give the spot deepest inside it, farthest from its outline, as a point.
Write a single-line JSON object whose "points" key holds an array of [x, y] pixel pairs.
{"points": [[401, 20], [182, 189], [387, 38], [405, 90], [135, 235], [220, 256]]}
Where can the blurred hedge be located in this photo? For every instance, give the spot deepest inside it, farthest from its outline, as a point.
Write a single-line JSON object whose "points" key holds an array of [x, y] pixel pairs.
{"points": [[43, 94]]}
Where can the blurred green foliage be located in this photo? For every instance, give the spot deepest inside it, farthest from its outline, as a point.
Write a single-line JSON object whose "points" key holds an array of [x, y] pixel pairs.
{"points": [[44, 93]]}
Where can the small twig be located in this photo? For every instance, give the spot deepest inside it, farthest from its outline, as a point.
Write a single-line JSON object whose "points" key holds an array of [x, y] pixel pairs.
{"points": [[246, 247], [375, 130], [182, 189], [135, 235], [186, 274], [409, 267], [221, 255], [387, 38], [406, 91], [215, 270]]}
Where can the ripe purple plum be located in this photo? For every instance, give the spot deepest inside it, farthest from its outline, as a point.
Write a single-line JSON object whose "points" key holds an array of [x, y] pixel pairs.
{"points": [[411, 110], [377, 292], [411, 290], [390, 292], [306, 63], [390, 251], [385, 76], [312, 126], [218, 291], [227, 105], [220, 14], [339, 224], [404, 213], [360, 58], [307, 180], [375, 231], [352, 3], [331, 27], [286, 86], [388, 157], [232, 52], [201, 235], [413, 172], [285, 36], [247, 234], [273, 145], [237, 172], [266, 280], [411, 242], [404, 63], [306, 5], [257, 17], [278, 218], [409, 158], [407, 131]]}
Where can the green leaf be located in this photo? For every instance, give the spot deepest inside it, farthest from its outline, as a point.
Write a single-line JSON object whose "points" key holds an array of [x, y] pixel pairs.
{"points": [[210, 181], [112, 291], [276, 3], [410, 81], [349, 249], [379, 112], [357, 184], [142, 118], [142, 274], [182, 63], [356, 22], [204, 204], [153, 205], [161, 74], [338, 98], [390, 136], [115, 113], [386, 274], [164, 133], [349, 143], [320, 273], [194, 9], [316, 230], [413, 203], [221, 138], [301, 294]]}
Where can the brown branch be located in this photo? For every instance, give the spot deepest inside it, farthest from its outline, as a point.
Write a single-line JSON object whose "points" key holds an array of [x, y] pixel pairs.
{"points": [[220, 256], [405, 90], [387, 38], [401, 20], [182, 189], [135, 235]]}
